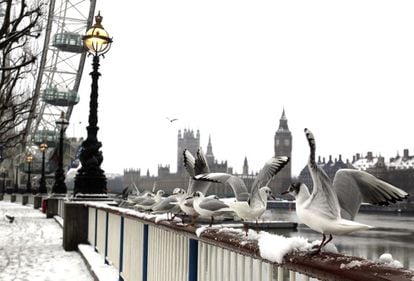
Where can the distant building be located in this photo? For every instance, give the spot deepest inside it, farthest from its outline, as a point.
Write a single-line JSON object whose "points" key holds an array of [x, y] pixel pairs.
{"points": [[330, 167], [167, 181], [187, 139], [398, 171], [282, 147]]}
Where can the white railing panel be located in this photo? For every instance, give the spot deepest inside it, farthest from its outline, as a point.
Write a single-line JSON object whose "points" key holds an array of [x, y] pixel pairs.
{"points": [[19, 198], [61, 204], [114, 238], [91, 225], [201, 262], [233, 266], [267, 272], [248, 269], [133, 249], [220, 261], [292, 276], [165, 248], [257, 269], [101, 232]]}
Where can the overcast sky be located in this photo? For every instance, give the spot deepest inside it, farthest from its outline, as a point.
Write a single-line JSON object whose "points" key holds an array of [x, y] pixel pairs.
{"points": [[343, 69]]}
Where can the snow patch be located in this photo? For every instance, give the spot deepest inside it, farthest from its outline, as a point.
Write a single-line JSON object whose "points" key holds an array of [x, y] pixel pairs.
{"points": [[166, 217], [103, 272], [350, 265], [330, 247], [387, 259], [274, 247], [200, 230]]}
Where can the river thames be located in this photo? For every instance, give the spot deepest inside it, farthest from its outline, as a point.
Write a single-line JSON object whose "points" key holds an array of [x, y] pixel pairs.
{"points": [[393, 233]]}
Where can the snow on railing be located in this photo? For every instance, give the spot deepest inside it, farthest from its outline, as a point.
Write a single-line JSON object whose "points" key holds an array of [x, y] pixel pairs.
{"points": [[145, 247]]}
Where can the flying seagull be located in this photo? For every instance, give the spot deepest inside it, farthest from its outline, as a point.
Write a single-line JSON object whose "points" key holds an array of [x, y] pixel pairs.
{"points": [[171, 119], [331, 208]]}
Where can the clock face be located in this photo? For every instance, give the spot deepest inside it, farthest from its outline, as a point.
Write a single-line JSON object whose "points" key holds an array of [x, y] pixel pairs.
{"points": [[287, 142]]}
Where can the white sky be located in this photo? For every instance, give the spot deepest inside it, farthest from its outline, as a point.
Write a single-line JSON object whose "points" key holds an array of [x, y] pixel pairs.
{"points": [[344, 69]]}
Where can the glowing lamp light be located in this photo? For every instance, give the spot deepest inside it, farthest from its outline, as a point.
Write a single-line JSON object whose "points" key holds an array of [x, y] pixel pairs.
{"points": [[97, 40]]}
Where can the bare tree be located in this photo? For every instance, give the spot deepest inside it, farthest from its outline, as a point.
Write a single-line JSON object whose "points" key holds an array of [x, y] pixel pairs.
{"points": [[19, 26]]}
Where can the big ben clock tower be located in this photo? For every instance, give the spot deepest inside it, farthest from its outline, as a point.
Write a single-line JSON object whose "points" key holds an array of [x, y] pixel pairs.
{"points": [[283, 147]]}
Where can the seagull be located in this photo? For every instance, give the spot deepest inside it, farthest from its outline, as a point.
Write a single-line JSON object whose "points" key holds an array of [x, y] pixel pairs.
{"points": [[209, 207], [194, 166], [249, 206], [331, 208], [130, 201], [169, 204], [150, 201], [9, 218], [171, 119]]}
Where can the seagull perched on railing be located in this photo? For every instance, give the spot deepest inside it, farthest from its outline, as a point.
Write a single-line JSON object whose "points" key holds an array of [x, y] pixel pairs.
{"points": [[210, 206], [331, 208], [9, 218], [170, 204], [150, 201], [249, 206]]}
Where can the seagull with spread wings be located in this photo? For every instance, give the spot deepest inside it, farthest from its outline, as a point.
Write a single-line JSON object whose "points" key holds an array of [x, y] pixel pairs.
{"points": [[331, 208]]}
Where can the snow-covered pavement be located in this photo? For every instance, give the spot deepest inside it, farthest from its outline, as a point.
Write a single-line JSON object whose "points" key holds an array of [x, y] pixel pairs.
{"points": [[31, 248]]}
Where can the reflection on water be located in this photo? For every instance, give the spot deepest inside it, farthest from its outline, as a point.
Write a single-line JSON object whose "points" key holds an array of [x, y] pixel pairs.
{"points": [[393, 234]]}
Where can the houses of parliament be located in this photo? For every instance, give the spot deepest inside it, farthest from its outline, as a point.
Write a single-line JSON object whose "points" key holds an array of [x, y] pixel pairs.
{"points": [[188, 139], [398, 170]]}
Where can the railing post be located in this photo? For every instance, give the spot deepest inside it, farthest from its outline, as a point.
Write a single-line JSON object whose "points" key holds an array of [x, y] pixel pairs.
{"points": [[121, 250], [106, 237], [96, 230], [192, 259], [145, 253]]}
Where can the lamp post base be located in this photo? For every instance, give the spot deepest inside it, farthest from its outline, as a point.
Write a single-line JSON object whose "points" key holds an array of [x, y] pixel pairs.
{"points": [[90, 185]]}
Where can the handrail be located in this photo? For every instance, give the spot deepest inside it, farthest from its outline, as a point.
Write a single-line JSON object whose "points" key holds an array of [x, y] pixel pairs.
{"points": [[324, 266]]}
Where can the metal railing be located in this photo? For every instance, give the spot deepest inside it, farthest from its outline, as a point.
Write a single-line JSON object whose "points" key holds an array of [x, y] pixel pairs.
{"points": [[141, 249]]}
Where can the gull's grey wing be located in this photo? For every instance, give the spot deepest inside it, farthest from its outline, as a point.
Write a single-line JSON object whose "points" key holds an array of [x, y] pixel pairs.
{"points": [[354, 187], [269, 170], [236, 183], [323, 199], [212, 204], [165, 205], [189, 162], [189, 202]]}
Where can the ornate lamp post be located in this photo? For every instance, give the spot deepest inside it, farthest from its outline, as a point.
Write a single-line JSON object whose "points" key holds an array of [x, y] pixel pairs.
{"points": [[3, 189], [90, 178], [16, 183], [59, 187], [29, 159], [42, 185]]}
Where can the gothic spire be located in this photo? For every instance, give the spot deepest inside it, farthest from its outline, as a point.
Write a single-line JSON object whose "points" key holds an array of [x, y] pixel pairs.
{"points": [[209, 147], [283, 126]]}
